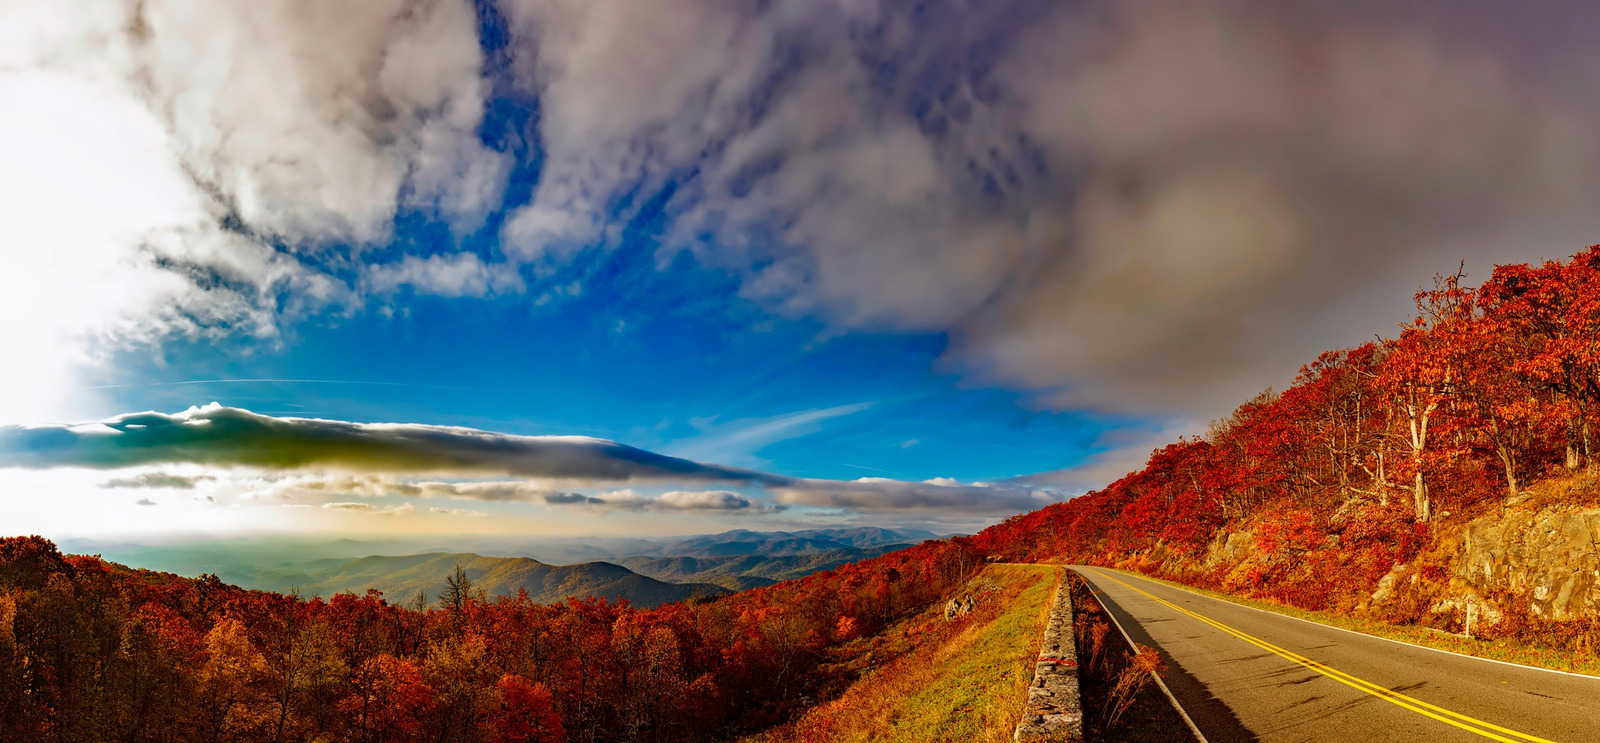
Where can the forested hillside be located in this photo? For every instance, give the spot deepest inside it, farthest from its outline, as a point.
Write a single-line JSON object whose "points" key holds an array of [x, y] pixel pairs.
{"points": [[91, 651], [1407, 478]]}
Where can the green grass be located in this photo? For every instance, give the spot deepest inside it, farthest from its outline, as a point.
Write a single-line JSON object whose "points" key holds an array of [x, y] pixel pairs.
{"points": [[1510, 651], [960, 681]]}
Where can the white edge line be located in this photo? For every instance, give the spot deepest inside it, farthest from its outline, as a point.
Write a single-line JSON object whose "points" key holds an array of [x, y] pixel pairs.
{"points": [[1131, 645], [1351, 631]]}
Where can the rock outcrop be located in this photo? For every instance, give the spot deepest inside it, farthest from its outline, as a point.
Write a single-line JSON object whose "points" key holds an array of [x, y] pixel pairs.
{"points": [[958, 606], [1550, 555]]}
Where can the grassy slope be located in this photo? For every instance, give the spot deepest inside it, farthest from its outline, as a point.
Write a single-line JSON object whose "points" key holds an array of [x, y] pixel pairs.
{"points": [[947, 681]]}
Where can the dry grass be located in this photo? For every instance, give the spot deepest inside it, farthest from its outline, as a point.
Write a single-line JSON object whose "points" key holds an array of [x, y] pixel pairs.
{"points": [[964, 680]]}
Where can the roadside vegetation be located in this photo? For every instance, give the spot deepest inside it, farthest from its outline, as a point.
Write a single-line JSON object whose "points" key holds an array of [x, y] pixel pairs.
{"points": [[931, 679], [1121, 701]]}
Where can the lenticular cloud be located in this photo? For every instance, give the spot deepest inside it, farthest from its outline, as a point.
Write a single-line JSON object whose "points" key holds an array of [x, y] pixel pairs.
{"points": [[388, 455]]}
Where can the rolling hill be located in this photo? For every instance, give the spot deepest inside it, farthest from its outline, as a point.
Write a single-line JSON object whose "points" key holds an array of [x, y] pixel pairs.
{"points": [[400, 578]]}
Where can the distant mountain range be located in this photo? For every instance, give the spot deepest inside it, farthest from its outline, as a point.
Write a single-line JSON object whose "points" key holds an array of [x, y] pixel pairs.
{"points": [[400, 578], [646, 572], [739, 572], [774, 543]]}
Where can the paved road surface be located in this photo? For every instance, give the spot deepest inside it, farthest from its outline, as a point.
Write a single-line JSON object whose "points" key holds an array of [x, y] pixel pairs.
{"points": [[1243, 674]]}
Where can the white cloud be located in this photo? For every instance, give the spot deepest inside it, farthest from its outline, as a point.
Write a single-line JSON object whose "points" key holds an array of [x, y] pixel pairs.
{"points": [[451, 275], [159, 153]]}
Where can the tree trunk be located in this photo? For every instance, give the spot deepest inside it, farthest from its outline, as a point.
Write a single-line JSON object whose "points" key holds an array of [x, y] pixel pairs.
{"points": [[1588, 456], [1508, 460], [1419, 496], [1419, 442], [1572, 462]]}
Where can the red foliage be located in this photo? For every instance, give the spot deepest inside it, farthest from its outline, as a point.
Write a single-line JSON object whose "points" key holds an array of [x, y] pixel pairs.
{"points": [[87, 647], [522, 712]]}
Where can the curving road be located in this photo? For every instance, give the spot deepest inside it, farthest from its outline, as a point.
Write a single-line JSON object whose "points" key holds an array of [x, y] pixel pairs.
{"points": [[1244, 674]]}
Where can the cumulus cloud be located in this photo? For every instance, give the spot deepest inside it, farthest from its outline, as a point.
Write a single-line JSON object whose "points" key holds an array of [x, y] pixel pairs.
{"points": [[230, 155]]}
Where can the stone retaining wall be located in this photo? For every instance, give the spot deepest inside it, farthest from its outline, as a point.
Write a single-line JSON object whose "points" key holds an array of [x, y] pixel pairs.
{"points": [[1054, 710]]}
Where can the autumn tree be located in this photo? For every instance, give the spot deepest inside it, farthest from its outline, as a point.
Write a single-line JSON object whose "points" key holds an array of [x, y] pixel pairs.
{"points": [[522, 712]]}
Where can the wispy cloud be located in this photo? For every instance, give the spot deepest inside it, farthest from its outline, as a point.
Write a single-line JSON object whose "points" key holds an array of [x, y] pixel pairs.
{"points": [[1122, 452], [369, 508], [873, 494], [738, 441]]}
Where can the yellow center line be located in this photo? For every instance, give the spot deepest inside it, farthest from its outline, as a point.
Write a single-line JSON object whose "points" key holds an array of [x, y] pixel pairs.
{"points": [[1441, 714]]}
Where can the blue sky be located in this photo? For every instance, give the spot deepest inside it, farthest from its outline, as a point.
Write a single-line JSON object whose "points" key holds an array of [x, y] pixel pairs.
{"points": [[907, 263], [674, 378]]}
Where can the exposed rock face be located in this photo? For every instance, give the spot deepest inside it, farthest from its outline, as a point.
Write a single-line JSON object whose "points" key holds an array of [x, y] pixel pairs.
{"points": [[1551, 555], [1230, 547]]}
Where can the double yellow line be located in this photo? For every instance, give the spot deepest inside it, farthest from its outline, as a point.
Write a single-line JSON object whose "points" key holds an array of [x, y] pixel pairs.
{"points": [[1469, 724]]}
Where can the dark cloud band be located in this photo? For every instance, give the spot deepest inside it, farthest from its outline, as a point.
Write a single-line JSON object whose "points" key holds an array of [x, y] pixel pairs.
{"points": [[385, 454], [222, 436]]}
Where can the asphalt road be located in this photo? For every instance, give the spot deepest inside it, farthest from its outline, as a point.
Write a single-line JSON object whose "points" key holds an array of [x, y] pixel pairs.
{"points": [[1244, 674]]}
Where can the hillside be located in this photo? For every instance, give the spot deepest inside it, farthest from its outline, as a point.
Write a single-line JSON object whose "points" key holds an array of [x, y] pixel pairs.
{"points": [[401, 578], [1415, 480]]}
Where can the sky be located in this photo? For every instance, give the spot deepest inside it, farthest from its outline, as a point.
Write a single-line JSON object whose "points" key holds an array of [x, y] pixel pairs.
{"points": [[679, 266]]}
